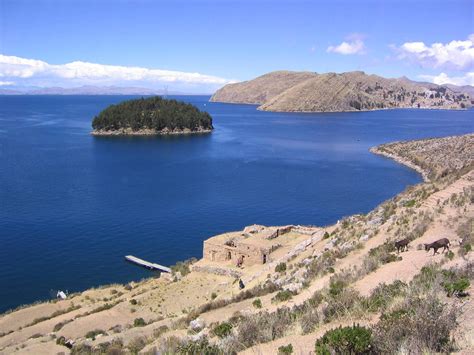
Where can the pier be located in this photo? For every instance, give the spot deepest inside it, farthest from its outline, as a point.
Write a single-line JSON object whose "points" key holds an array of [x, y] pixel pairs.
{"points": [[147, 264]]}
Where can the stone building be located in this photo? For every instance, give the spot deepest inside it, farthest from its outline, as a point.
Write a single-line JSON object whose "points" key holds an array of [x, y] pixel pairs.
{"points": [[253, 245]]}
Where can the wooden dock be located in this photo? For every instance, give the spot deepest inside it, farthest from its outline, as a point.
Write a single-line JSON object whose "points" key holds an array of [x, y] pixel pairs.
{"points": [[147, 264]]}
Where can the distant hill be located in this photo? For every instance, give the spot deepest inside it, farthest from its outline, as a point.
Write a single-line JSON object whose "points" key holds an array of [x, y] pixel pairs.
{"points": [[89, 90], [286, 91]]}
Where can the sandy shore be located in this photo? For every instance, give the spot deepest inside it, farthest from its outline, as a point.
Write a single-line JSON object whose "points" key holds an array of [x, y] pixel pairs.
{"points": [[148, 132], [401, 160]]}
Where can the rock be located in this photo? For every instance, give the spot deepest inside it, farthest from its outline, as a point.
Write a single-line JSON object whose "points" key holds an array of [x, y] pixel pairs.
{"points": [[294, 287], [329, 245], [197, 325]]}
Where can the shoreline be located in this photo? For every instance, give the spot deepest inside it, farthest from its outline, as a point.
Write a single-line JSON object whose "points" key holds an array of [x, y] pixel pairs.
{"points": [[147, 132], [378, 151]]}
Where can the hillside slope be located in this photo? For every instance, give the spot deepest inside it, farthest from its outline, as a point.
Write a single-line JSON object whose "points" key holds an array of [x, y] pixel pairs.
{"points": [[331, 92]]}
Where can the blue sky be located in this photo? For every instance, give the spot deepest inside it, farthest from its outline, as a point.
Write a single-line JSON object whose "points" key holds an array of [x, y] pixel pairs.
{"points": [[230, 40]]}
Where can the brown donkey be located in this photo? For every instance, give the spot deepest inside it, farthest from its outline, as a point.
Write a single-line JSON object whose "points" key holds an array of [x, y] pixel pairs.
{"points": [[440, 243]]}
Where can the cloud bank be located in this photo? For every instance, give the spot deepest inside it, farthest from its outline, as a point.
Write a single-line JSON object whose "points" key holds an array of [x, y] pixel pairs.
{"points": [[443, 78], [455, 55], [23, 71]]}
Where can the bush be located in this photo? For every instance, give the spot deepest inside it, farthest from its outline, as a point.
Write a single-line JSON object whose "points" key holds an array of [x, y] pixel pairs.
{"points": [[456, 287], [340, 303], [93, 333], [421, 325], [282, 296], [222, 330], [139, 322], [382, 295], [347, 340], [281, 267], [285, 349], [183, 266], [201, 346], [263, 327], [308, 318], [257, 303], [137, 344]]}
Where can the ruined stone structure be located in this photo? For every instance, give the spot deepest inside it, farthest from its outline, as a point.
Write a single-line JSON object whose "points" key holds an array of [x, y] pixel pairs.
{"points": [[253, 245]]}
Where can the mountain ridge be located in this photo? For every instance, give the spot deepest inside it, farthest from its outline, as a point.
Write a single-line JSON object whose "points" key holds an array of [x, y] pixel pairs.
{"points": [[287, 91]]}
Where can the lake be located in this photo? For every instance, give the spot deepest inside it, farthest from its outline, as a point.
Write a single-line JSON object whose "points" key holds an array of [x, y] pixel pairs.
{"points": [[72, 205]]}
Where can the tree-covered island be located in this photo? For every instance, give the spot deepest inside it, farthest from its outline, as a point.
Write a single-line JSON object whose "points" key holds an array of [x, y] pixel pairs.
{"points": [[151, 116]]}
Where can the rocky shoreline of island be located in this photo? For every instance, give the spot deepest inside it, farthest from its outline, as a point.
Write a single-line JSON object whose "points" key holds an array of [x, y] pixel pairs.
{"points": [[148, 132]]}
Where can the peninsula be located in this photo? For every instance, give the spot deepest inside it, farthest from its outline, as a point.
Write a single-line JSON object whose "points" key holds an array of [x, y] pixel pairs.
{"points": [[303, 284], [151, 116], [287, 91]]}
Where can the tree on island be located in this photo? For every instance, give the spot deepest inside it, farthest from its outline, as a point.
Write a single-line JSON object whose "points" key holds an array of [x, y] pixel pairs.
{"points": [[153, 113]]}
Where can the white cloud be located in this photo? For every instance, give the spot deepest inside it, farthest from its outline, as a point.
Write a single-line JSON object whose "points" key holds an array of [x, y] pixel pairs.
{"points": [[37, 72], [466, 79], [457, 55], [354, 45]]}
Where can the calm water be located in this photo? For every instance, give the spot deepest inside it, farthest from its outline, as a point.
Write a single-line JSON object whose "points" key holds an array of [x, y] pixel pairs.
{"points": [[71, 205]]}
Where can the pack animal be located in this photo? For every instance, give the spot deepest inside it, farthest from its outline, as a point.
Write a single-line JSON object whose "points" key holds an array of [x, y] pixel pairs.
{"points": [[402, 245], [440, 243]]}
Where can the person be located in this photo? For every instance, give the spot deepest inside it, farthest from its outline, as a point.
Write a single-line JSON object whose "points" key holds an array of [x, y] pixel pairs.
{"points": [[241, 284]]}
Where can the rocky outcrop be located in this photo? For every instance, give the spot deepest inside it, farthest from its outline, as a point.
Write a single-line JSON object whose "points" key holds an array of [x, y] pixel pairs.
{"points": [[285, 91]]}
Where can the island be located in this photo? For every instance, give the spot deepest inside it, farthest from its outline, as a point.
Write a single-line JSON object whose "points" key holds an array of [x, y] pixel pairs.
{"points": [[289, 91], [151, 116]]}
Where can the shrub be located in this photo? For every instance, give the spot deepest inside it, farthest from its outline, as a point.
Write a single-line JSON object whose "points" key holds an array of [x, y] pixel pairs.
{"points": [[456, 287], [340, 303], [285, 349], [183, 266], [421, 324], [222, 330], [158, 332], [93, 333], [257, 303], [281, 267], [347, 340], [282, 296], [449, 255], [137, 344], [139, 322], [410, 203], [308, 318], [383, 294], [201, 346], [59, 325]]}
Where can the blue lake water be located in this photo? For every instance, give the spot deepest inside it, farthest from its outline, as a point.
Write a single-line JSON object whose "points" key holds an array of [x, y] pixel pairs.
{"points": [[72, 205]]}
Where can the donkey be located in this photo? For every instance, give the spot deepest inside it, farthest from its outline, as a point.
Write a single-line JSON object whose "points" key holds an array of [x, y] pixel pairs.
{"points": [[402, 245], [440, 243]]}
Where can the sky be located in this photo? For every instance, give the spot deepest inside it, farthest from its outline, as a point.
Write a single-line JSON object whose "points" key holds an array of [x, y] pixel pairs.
{"points": [[198, 46]]}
